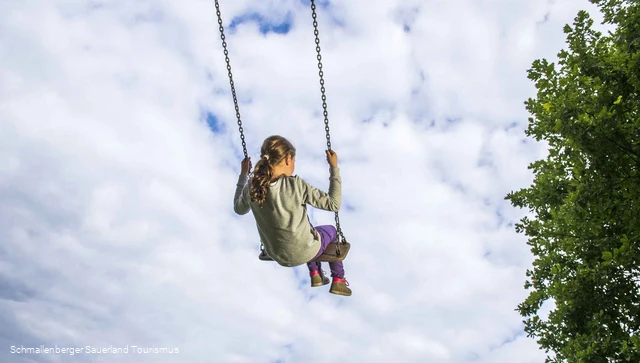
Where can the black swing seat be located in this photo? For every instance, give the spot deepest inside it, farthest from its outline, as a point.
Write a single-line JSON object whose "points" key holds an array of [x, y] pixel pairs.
{"points": [[329, 255]]}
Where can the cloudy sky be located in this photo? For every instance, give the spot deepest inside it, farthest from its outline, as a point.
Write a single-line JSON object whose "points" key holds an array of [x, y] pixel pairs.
{"points": [[119, 154]]}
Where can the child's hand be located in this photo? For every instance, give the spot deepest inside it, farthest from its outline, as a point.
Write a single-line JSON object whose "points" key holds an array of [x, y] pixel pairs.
{"points": [[245, 166], [332, 158]]}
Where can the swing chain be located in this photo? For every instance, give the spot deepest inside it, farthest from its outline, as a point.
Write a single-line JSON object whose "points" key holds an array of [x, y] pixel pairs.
{"points": [[233, 89], [324, 107]]}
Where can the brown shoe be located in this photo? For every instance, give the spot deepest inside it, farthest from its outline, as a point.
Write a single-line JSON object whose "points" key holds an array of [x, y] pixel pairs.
{"points": [[339, 287], [318, 278]]}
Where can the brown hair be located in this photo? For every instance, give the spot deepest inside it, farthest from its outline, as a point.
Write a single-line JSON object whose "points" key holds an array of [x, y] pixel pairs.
{"points": [[274, 149]]}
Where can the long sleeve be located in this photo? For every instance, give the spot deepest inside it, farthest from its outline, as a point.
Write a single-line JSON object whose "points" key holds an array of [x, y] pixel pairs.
{"points": [[326, 201], [241, 198]]}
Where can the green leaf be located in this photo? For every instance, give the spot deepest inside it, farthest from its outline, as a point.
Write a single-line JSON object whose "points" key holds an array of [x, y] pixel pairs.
{"points": [[618, 101]]}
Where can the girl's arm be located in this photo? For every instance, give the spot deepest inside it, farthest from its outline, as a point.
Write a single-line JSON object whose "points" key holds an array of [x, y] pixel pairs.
{"points": [[321, 200], [241, 198]]}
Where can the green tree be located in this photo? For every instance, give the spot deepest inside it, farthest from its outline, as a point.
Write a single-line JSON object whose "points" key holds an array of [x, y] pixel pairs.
{"points": [[585, 200]]}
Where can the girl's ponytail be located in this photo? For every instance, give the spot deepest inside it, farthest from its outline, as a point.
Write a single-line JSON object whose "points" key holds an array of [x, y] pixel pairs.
{"points": [[274, 150], [262, 175]]}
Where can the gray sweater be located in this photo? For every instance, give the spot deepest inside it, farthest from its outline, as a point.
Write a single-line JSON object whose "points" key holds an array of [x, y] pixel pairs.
{"points": [[283, 224]]}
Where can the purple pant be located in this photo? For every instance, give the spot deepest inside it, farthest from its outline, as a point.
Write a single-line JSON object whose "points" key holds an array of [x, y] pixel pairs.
{"points": [[328, 234]]}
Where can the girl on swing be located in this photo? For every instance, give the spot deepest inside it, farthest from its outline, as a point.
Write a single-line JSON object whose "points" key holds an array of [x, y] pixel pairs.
{"points": [[279, 201]]}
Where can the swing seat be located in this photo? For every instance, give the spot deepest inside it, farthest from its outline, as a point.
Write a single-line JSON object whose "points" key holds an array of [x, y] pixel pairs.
{"points": [[329, 255]]}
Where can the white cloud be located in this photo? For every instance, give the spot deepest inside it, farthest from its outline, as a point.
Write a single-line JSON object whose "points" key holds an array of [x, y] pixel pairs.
{"points": [[115, 197]]}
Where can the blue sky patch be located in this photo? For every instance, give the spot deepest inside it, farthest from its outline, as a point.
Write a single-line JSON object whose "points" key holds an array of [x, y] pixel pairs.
{"points": [[214, 124], [266, 26]]}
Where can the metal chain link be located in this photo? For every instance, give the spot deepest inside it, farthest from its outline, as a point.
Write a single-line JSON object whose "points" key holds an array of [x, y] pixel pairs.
{"points": [[324, 107], [233, 89]]}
